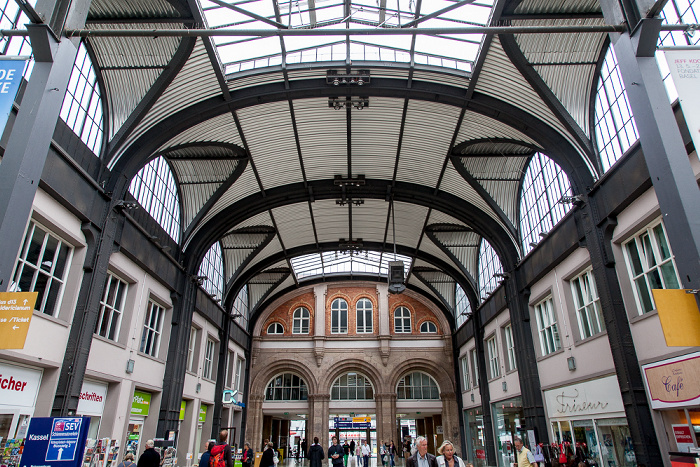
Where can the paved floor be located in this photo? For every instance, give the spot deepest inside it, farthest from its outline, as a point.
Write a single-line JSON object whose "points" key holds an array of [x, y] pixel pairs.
{"points": [[373, 462]]}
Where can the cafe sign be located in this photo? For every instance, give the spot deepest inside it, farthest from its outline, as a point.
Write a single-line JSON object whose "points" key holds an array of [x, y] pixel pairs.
{"points": [[674, 382]]}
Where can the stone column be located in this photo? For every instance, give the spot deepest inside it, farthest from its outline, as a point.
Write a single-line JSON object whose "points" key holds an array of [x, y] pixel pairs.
{"points": [[318, 417], [386, 416], [253, 433], [450, 419]]}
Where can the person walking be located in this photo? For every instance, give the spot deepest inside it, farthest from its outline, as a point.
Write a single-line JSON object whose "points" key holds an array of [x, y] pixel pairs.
{"points": [[315, 454], [269, 456], [149, 458], [366, 452], [382, 453], [128, 461], [204, 458], [392, 453], [523, 455], [406, 448], [335, 453], [352, 447], [422, 458], [247, 457], [346, 452], [221, 452], [447, 457], [303, 448]]}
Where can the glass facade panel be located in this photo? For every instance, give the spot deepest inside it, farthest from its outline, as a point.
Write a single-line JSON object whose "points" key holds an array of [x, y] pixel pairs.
{"points": [[507, 419]]}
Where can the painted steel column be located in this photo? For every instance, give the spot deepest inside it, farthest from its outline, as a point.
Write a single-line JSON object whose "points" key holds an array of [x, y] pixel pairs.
{"points": [[489, 440], [221, 373], [598, 234]]}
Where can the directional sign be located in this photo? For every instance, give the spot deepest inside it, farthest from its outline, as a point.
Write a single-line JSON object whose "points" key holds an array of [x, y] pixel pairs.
{"points": [[16, 310], [10, 79], [64, 438], [55, 442]]}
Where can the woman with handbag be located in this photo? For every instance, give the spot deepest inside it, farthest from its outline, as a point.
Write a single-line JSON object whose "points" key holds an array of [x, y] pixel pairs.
{"points": [[247, 457]]}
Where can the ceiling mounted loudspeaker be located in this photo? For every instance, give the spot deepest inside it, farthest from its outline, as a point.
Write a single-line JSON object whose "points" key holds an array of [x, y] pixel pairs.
{"points": [[395, 277]]}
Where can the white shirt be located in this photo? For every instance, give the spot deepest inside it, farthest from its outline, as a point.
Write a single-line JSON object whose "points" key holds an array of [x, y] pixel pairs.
{"points": [[366, 451]]}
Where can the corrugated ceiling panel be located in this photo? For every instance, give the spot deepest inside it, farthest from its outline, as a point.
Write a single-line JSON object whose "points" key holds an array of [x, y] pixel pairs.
{"points": [[221, 129], [477, 126], [259, 219], [409, 224], [331, 220], [439, 217], [288, 282], [120, 103], [559, 6], [268, 131], [131, 8], [453, 183], [294, 225], [420, 285], [255, 80], [193, 198], [427, 136], [233, 259], [495, 167], [323, 138], [307, 73], [427, 246], [448, 79], [375, 135], [505, 194], [270, 249], [369, 221], [443, 283]]}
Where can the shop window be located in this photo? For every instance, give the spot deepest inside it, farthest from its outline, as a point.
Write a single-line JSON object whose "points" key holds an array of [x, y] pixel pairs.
{"points": [[588, 312], [286, 387], [464, 363], [192, 350], [364, 315], [402, 320], [510, 347], [111, 308], [339, 316], [41, 267], [352, 387], [275, 328], [300, 321], [152, 329], [428, 327], [547, 326], [650, 265], [475, 366], [417, 386], [212, 268], [209, 359], [494, 361]]}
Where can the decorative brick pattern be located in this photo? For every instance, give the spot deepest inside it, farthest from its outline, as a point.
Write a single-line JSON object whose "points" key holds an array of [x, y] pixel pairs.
{"points": [[284, 314]]}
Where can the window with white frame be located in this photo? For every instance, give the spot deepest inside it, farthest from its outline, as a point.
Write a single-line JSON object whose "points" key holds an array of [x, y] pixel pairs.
{"points": [[12, 17], [152, 329], [286, 387], [417, 385], [209, 359], [212, 268], [41, 267], [364, 315], [428, 327], [465, 373], [192, 350], [547, 326], [300, 321], [510, 347], [111, 308], [650, 264], [275, 328], [239, 370], [352, 387], [463, 309], [475, 366], [588, 312], [494, 361], [402, 320], [230, 362], [339, 316], [489, 269]]}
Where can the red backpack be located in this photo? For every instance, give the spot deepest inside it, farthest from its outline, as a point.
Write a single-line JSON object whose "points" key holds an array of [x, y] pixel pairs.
{"points": [[217, 458]]}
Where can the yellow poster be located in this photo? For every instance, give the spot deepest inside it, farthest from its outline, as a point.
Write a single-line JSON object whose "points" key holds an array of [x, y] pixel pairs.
{"points": [[16, 310]]}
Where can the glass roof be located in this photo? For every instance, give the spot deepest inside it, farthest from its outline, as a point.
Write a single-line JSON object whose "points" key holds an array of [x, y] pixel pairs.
{"points": [[345, 263], [239, 53]]}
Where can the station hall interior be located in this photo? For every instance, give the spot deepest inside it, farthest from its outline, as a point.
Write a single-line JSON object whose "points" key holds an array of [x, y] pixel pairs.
{"points": [[377, 220]]}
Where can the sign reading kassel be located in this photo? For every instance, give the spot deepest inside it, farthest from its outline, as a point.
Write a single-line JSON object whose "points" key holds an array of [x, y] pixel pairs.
{"points": [[674, 382], [599, 396], [685, 71], [19, 386]]}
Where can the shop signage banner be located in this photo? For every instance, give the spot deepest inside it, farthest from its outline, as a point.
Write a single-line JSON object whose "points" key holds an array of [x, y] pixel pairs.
{"points": [[141, 403], [16, 308], [684, 439], [19, 386], [54, 442], [202, 413], [10, 78], [92, 398], [685, 71], [674, 382], [600, 396], [182, 410]]}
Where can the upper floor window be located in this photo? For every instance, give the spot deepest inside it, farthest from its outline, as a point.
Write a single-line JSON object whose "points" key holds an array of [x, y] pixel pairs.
{"points": [[465, 373], [547, 326], [300, 321], [241, 307], [489, 267], [82, 104], [286, 387], [650, 265], [152, 329], [41, 267], [402, 320], [615, 129], [494, 361], [154, 188], [239, 372], [230, 361], [588, 311], [339, 316], [364, 315], [510, 347], [209, 359], [428, 327], [111, 308], [417, 385], [192, 350], [275, 328], [463, 308], [352, 387], [544, 184], [212, 268], [475, 366], [12, 17]]}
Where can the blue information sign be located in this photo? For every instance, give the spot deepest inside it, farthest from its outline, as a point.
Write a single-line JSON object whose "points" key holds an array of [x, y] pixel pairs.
{"points": [[10, 79], [53, 442]]}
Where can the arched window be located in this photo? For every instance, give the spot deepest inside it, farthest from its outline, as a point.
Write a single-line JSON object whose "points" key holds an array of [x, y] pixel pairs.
{"points": [[82, 104], [428, 327], [339, 316], [212, 268], [615, 129], [154, 188], [352, 387], [364, 315], [286, 387], [463, 308], [300, 321], [489, 266], [402, 320], [417, 385], [544, 185], [275, 328]]}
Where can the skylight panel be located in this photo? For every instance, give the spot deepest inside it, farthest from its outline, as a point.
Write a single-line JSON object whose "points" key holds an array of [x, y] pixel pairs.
{"points": [[345, 263]]}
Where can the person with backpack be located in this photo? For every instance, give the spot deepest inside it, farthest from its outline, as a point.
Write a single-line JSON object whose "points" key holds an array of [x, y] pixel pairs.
{"points": [[204, 460], [221, 453], [128, 461]]}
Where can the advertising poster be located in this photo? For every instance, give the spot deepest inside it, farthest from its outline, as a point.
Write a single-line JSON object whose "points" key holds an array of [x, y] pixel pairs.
{"points": [[685, 71]]}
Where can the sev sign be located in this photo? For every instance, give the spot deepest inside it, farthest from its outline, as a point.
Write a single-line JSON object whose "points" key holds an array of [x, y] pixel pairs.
{"points": [[16, 310]]}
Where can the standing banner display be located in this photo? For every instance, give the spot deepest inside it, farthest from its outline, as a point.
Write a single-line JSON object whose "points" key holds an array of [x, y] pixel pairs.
{"points": [[685, 71], [55, 442], [11, 69]]}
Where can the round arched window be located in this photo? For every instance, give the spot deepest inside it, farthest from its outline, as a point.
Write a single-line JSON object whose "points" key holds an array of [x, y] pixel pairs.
{"points": [[275, 328], [428, 327], [402, 320], [339, 316], [286, 387], [417, 385], [352, 387]]}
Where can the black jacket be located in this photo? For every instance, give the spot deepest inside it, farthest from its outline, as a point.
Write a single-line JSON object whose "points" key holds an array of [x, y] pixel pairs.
{"points": [[315, 455], [149, 458], [266, 459], [249, 458], [413, 460], [336, 449]]}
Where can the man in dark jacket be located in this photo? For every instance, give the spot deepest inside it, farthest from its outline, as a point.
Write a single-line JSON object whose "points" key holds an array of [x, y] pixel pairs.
{"points": [[422, 458], [335, 453], [315, 454], [204, 460], [222, 447], [149, 458]]}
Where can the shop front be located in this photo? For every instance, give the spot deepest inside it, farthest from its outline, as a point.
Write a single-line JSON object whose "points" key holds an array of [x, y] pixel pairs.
{"points": [[91, 403], [673, 386], [508, 420], [474, 421], [19, 386], [140, 406], [588, 424]]}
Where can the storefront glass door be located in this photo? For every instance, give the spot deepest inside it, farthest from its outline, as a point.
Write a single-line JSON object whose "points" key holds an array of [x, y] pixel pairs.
{"points": [[475, 437], [5, 425], [587, 448], [507, 416], [616, 447], [133, 437]]}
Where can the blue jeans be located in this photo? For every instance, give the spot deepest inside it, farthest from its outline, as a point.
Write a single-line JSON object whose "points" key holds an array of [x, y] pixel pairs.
{"points": [[366, 460]]}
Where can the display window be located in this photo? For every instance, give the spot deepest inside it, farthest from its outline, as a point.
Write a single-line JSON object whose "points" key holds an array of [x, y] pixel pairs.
{"points": [[133, 437], [475, 436], [507, 420]]}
